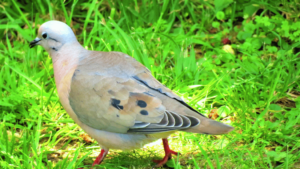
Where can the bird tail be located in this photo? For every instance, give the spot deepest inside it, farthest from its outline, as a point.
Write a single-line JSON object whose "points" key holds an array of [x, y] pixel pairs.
{"points": [[208, 126]]}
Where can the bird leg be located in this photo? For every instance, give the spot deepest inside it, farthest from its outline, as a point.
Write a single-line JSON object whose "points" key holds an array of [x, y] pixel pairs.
{"points": [[168, 154], [100, 157]]}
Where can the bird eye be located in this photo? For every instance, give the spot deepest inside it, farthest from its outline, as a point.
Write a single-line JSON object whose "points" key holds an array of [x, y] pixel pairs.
{"points": [[44, 35]]}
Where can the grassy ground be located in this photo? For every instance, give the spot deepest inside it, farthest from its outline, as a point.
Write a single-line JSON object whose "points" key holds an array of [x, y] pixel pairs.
{"points": [[256, 88]]}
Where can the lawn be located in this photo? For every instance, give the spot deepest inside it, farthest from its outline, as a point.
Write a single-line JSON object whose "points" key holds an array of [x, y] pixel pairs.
{"points": [[235, 61]]}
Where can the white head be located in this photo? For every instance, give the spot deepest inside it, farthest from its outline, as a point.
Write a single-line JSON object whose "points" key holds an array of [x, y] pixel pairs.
{"points": [[53, 35]]}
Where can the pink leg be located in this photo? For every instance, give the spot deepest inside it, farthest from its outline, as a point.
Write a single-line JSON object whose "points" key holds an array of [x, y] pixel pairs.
{"points": [[100, 157], [168, 154]]}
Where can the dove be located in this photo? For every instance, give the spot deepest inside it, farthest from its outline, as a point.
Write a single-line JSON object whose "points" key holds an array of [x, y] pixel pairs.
{"points": [[114, 98]]}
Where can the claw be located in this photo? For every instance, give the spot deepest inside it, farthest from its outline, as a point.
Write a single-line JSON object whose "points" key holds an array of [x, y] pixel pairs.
{"points": [[168, 154]]}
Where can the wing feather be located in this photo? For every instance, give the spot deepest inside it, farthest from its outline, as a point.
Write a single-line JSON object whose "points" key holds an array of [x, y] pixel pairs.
{"points": [[118, 94]]}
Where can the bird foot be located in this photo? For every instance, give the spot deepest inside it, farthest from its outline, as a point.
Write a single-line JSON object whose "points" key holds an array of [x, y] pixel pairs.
{"points": [[168, 154], [167, 157]]}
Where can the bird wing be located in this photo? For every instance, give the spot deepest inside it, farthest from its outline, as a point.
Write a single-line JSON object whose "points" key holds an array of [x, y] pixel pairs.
{"points": [[113, 92]]}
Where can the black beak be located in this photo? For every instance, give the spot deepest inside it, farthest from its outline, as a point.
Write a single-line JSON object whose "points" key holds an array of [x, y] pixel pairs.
{"points": [[34, 42]]}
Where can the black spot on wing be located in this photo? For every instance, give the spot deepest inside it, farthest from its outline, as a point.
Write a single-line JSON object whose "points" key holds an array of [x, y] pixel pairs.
{"points": [[144, 112], [116, 103], [160, 90], [141, 103], [111, 92]]}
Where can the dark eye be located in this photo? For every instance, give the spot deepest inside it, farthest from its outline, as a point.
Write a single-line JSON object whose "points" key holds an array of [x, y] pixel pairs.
{"points": [[44, 35]]}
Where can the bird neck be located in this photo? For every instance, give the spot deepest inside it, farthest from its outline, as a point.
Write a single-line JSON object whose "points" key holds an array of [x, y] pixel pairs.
{"points": [[66, 60]]}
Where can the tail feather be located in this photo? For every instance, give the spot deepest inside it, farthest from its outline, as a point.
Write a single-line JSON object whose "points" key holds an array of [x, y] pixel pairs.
{"points": [[208, 126]]}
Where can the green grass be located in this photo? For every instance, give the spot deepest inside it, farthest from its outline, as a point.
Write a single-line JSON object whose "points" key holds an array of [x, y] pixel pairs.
{"points": [[256, 89]]}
